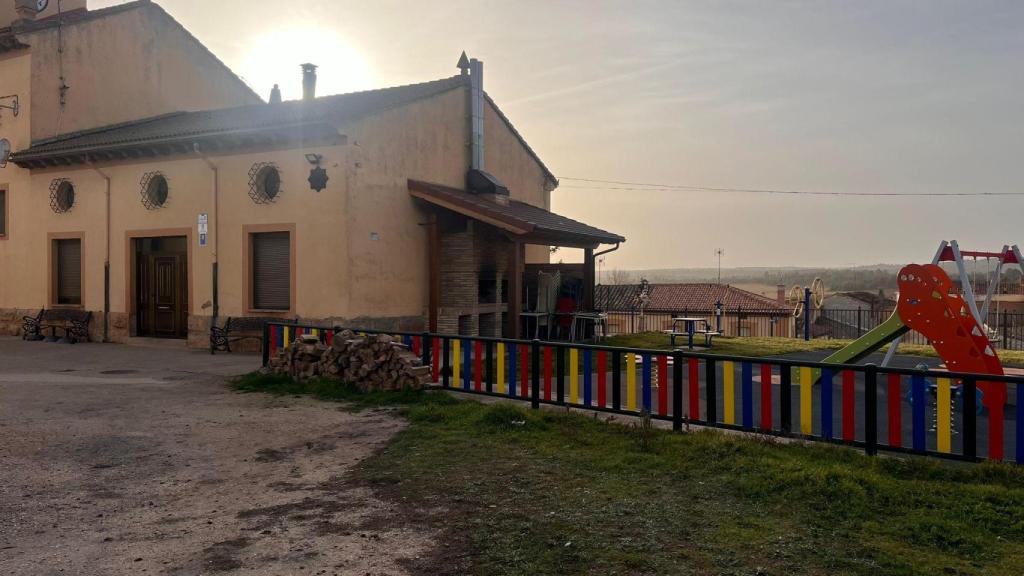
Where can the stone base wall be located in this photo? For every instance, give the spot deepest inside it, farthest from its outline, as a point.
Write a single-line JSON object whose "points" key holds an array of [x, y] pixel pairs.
{"points": [[11, 321]]}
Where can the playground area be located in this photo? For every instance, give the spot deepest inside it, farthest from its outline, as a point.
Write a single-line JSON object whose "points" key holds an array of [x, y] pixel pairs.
{"points": [[962, 405]]}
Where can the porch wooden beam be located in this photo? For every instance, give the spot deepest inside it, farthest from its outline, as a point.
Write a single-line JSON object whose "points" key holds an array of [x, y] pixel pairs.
{"points": [[515, 288], [589, 278], [434, 264]]}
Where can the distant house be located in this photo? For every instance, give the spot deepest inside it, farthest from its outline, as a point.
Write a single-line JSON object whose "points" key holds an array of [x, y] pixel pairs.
{"points": [[870, 301], [639, 308]]}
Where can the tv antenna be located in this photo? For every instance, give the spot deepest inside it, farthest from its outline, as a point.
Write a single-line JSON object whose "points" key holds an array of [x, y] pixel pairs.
{"points": [[719, 252]]}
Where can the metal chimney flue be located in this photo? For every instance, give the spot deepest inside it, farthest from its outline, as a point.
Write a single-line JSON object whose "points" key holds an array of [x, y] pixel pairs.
{"points": [[476, 83], [308, 82]]}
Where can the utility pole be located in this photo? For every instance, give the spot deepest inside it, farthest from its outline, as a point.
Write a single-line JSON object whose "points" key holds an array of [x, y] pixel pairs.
{"points": [[719, 252]]}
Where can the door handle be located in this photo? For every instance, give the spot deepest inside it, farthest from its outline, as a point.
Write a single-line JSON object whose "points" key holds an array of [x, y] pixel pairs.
{"points": [[163, 307]]}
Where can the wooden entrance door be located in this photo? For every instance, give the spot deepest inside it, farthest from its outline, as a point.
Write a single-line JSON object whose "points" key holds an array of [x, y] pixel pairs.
{"points": [[161, 289]]}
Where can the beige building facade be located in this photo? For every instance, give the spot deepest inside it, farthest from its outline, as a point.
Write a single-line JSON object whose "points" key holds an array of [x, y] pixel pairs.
{"points": [[187, 200]]}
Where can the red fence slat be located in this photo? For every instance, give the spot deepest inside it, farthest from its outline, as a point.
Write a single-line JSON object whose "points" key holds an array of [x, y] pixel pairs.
{"points": [[848, 406], [895, 414]]}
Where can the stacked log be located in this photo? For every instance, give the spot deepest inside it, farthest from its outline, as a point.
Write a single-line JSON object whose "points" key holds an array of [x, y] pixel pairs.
{"points": [[375, 362]]}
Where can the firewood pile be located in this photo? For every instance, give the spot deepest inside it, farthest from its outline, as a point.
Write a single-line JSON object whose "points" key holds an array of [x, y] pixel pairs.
{"points": [[374, 362]]}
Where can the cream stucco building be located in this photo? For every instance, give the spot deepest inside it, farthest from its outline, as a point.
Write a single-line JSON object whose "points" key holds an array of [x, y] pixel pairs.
{"points": [[152, 187]]}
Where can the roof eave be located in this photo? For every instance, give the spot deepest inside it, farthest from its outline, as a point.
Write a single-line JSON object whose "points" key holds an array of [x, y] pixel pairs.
{"points": [[231, 140]]}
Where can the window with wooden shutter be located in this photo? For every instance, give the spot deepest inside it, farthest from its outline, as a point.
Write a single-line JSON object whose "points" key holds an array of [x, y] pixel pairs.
{"points": [[271, 271], [68, 273]]}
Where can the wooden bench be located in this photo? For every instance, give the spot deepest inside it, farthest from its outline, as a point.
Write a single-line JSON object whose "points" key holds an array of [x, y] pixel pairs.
{"points": [[73, 323], [237, 329]]}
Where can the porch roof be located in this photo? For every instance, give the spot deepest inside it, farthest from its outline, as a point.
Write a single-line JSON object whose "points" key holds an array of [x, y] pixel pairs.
{"points": [[527, 222]]}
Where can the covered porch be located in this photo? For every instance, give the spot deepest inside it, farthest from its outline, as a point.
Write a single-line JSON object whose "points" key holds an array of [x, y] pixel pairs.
{"points": [[480, 283]]}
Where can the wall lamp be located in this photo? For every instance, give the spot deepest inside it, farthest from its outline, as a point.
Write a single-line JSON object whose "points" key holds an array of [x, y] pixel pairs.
{"points": [[13, 105]]}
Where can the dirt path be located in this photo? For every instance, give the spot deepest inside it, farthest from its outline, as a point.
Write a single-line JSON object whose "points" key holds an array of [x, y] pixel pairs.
{"points": [[121, 460]]}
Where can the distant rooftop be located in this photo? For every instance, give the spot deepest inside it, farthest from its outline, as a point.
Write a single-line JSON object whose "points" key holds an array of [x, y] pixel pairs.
{"points": [[691, 297]]}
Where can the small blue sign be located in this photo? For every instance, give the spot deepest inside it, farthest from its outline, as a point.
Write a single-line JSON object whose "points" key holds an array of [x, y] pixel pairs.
{"points": [[202, 239]]}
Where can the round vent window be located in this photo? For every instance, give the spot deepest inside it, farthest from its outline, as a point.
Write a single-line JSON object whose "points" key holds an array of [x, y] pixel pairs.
{"points": [[62, 195], [154, 190], [264, 183]]}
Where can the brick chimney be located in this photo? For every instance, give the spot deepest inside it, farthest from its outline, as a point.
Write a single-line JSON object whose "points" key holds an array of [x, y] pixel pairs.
{"points": [[780, 294], [308, 82]]}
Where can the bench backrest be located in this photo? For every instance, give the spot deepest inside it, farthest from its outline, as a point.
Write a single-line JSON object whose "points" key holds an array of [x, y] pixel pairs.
{"points": [[250, 324], [66, 315]]}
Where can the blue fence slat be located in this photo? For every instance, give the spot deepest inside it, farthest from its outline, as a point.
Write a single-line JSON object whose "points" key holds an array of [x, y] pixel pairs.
{"points": [[917, 401], [587, 377], [1020, 423], [826, 403], [748, 393], [512, 372], [647, 382]]}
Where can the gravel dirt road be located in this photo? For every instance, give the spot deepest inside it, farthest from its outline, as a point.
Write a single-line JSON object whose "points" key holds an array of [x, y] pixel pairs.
{"points": [[125, 460]]}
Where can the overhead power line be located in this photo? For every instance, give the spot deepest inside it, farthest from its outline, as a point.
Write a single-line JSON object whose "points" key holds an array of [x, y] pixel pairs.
{"points": [[649, 187]]}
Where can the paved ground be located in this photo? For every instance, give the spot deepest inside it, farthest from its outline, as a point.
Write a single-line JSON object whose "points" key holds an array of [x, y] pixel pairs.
{"points": [[121, 460]]}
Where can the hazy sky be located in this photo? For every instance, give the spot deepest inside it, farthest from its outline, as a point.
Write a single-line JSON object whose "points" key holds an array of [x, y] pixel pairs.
{"points": [[884, 96]]}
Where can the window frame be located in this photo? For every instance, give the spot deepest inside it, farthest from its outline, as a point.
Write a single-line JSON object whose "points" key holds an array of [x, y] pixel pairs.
{"points": [[5, 218], [249, 232], [52, 240]]}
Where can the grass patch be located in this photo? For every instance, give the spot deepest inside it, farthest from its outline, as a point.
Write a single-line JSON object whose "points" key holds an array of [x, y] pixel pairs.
{"points": [[515, 491], [762, 347], [334, 391]]}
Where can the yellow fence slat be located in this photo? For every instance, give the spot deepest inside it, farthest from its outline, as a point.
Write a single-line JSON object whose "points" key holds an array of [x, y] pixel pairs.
{"points": [[456, 363], [806, 385], [501, 368], [574, 376], [943, 415], [729, 383]]}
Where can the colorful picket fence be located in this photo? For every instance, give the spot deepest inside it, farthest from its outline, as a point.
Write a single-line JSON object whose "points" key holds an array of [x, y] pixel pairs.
{"points": [[910, 411]]}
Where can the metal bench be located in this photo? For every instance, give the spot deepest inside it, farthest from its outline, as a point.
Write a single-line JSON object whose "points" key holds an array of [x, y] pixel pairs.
{"points": [[237, 329], [31, 327], [72, 322]]}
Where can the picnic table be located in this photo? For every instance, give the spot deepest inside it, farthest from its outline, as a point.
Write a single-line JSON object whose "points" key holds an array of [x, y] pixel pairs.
{"points": [[690, 326]]}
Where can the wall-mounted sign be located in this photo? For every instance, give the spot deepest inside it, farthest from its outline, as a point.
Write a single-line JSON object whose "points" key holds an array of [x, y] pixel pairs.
{"points": [[203, 228]]}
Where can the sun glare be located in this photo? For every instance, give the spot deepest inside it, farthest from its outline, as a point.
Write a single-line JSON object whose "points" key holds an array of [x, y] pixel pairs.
{"points": [[274, 58]]}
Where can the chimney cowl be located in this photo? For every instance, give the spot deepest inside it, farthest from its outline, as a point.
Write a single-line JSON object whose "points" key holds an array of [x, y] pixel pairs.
{"points": [[487, 185], [309, 81], [26, 9], [275, 94]]}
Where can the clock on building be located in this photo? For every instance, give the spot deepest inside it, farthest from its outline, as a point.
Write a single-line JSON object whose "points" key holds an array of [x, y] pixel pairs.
{"points": [[41, 5]]}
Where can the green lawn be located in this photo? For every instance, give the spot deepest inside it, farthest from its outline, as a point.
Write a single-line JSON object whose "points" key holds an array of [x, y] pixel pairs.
{"points": [[764, 347], [513, 491]]}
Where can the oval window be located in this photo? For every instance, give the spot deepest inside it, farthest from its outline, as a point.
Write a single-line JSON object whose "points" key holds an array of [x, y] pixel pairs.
{"points": [[154, 190], [62, 195], [264, 183]]}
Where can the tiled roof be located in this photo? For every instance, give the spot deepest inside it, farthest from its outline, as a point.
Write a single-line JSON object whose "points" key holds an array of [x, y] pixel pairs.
{"points": [[193, 126], [695, 297], [518, 217]]}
